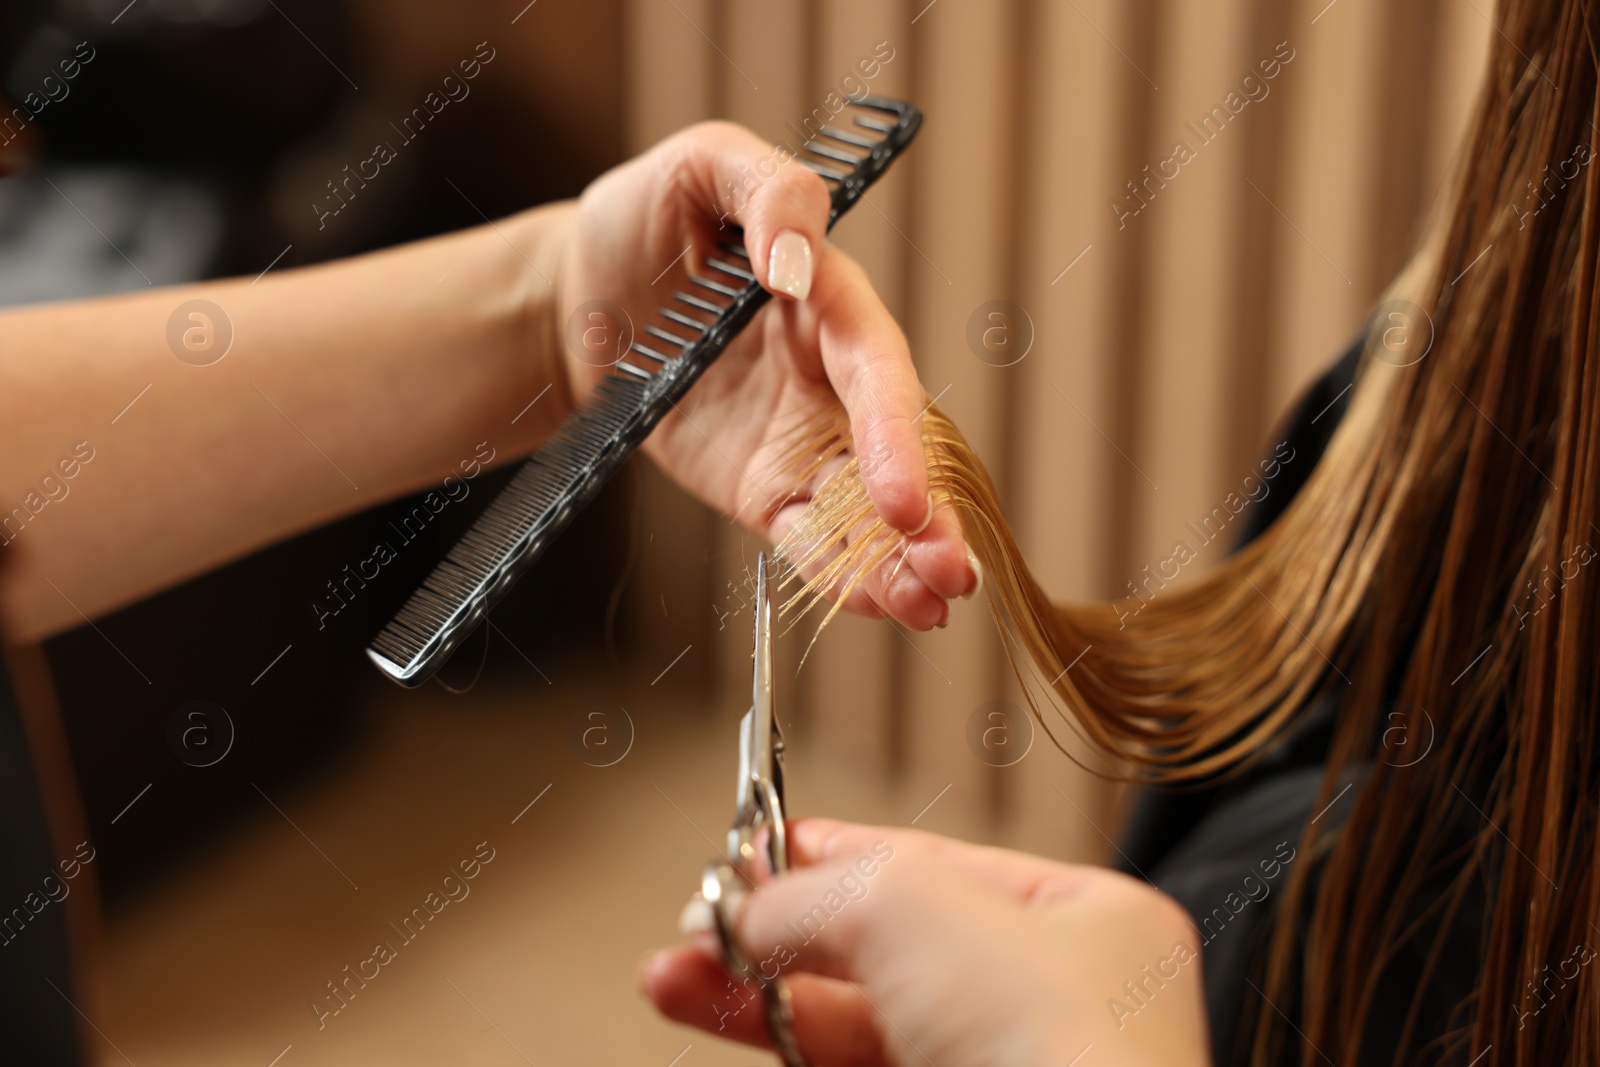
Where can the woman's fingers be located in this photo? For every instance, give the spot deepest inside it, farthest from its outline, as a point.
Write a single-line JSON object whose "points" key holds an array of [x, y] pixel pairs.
{"points": [[783, 209], [978, 955], [819, 918], [898, 585], [939, 556], [891, 588], [743, 180], [832, 1023], [869, 365], [859, 601], [1015, 875]]}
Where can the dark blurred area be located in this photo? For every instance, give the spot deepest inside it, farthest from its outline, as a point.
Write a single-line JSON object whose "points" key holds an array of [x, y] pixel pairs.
{"points": [[165, 141]]}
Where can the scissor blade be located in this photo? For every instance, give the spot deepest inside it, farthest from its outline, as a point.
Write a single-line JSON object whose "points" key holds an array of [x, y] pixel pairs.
{"points": [[763, 726], [745, 797]]}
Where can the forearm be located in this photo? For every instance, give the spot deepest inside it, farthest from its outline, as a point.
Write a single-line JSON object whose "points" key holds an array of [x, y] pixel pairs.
{"points": [[345, 385]]}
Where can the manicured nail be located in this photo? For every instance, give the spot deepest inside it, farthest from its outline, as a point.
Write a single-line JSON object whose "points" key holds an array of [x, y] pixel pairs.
{"points": [[696, 917], [977, 575], [925, 521], [789, 265]]}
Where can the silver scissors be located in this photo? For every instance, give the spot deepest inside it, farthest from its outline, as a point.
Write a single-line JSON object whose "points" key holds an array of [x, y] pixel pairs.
{"points": [[760, 805]]}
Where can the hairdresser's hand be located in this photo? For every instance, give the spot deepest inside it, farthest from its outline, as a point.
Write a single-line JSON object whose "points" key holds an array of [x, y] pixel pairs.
{"points": [[906, 948], [824, 340]]}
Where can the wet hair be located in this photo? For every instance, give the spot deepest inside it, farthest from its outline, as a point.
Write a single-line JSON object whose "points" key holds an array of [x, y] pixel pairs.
{"points": [[1434, 559]]}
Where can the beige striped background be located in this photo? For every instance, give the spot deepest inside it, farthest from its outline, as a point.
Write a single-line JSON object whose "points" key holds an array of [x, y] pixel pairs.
{"points": [[1162, 357]]}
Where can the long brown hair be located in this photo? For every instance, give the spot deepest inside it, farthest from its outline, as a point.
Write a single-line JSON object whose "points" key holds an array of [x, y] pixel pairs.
{"points": [[1434, 560]]}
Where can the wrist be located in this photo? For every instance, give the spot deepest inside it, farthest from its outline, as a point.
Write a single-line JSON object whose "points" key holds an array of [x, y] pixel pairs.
{"points": [[537, 365]]}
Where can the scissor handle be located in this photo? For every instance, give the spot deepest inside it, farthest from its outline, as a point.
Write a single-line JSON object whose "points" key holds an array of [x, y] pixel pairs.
{"points": [[719, 886], [764, 809], [771, 803], [760, 801]]}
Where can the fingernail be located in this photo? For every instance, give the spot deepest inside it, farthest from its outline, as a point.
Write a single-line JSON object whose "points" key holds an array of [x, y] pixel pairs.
{"points": [[925, 521], [699, 925], [789, 265], [942, 623], [696, 917], [977, 575]]}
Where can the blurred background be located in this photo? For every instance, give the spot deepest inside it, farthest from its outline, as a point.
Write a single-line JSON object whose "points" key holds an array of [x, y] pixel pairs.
{"points": [[1117, 326]]}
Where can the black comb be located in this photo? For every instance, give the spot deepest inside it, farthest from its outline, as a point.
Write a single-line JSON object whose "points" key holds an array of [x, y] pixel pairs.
{"points": [[851, 151]]}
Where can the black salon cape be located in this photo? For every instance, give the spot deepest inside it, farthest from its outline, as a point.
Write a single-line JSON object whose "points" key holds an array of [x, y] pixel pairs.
{"points": [[1206, 849], [1221, 852], [37, 1024]]}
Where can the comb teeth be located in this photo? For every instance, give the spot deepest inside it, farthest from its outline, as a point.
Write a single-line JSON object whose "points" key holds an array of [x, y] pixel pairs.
{"points": [[566, 474], [670, 338]]}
